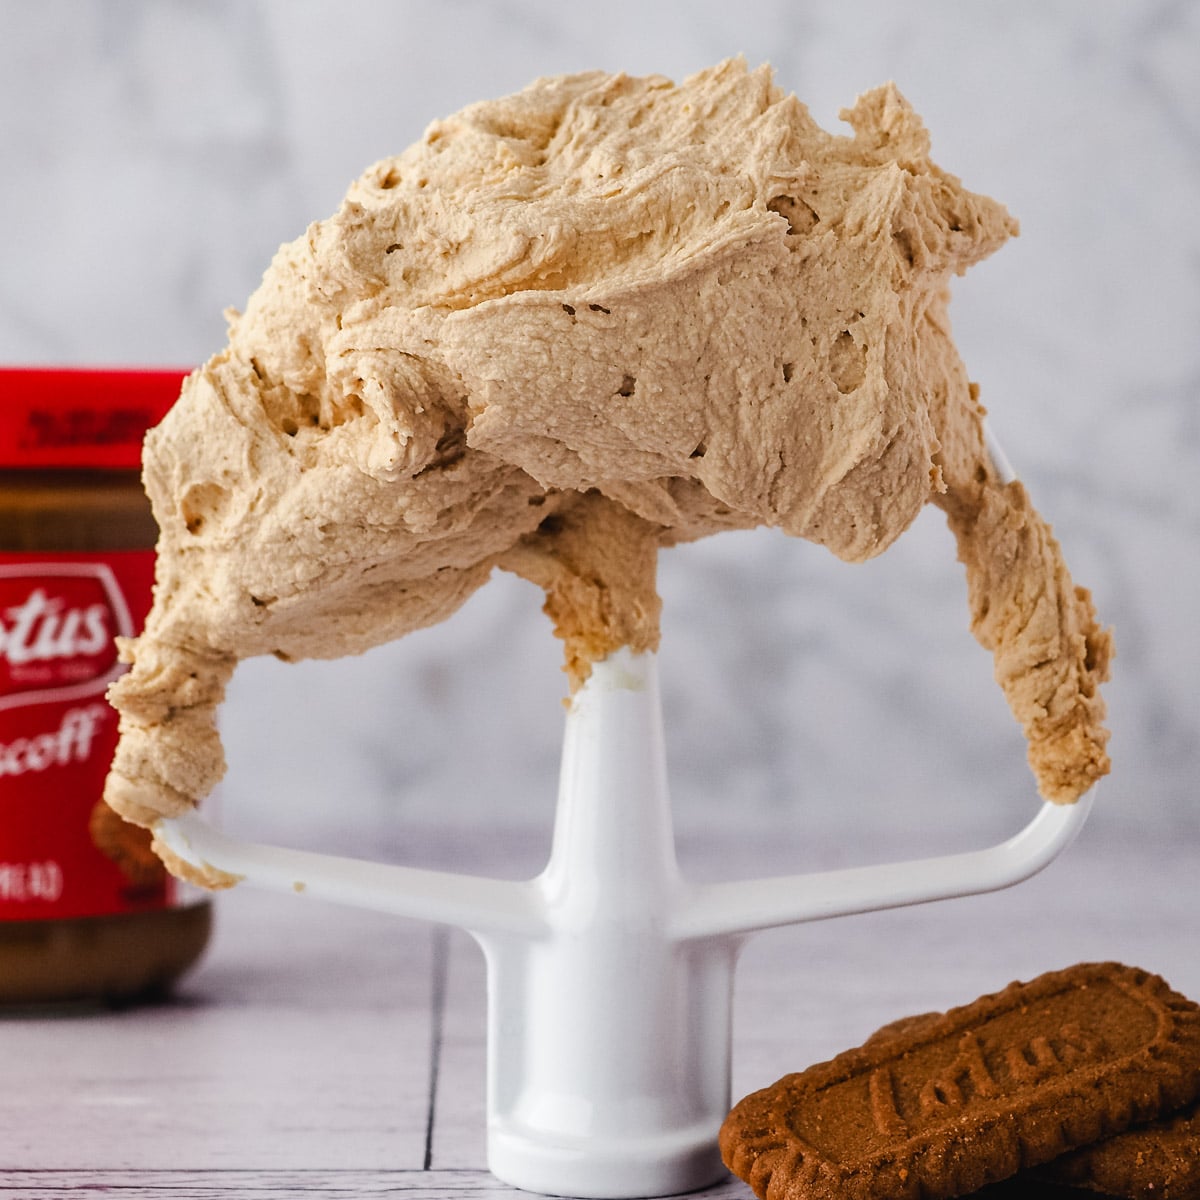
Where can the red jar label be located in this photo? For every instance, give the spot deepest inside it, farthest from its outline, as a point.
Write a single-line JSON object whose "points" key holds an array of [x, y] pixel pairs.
{"points": [[59, 615]]}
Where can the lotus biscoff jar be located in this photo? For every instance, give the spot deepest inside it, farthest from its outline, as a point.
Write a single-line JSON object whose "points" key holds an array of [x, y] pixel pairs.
{"points": [[86, 910]]}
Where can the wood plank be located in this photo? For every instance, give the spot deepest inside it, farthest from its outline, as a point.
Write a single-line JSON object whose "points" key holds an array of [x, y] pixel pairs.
{"points": [[304, 1042], [311, 1185], [459, 1133]]}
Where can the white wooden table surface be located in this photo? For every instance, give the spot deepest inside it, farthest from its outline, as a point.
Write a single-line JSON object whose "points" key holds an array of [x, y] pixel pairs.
{"points": [[326, 1052]]}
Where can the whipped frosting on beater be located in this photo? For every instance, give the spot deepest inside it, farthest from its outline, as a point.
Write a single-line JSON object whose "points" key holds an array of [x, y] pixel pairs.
{"points": [[566, 329]]}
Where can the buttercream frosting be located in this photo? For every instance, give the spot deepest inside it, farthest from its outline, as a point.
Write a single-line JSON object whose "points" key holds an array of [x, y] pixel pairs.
{"points": [[564, 330]]}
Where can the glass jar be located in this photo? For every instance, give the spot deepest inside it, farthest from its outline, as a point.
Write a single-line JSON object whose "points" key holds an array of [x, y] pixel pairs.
{"points": [[87, 912]]}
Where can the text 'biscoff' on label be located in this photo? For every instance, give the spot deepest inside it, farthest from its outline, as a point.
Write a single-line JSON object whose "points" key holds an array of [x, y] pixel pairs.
{"points": [[71, 742]]}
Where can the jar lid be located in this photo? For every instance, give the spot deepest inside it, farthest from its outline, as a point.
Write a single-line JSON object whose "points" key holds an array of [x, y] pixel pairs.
{"points": [[81, 417]]}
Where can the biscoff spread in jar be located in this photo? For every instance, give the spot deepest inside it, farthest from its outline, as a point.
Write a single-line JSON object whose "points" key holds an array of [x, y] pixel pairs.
{"points": [[86, 910]]}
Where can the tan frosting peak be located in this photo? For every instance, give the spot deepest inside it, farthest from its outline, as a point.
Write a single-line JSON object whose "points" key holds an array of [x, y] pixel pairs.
{"points": [[565, 329]]}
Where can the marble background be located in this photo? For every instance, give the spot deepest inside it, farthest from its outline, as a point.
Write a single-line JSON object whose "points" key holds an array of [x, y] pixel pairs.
{"points": [[153, 154]]}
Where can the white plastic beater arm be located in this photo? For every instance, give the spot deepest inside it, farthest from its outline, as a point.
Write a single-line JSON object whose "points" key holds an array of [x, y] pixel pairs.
{"points": [[721, 909], [470, 902]]}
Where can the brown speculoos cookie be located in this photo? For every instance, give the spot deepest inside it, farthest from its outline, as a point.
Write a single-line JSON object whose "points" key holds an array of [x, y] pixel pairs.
{"points": [[1027, 1186], [1159, 1161], [943, 1105]]}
